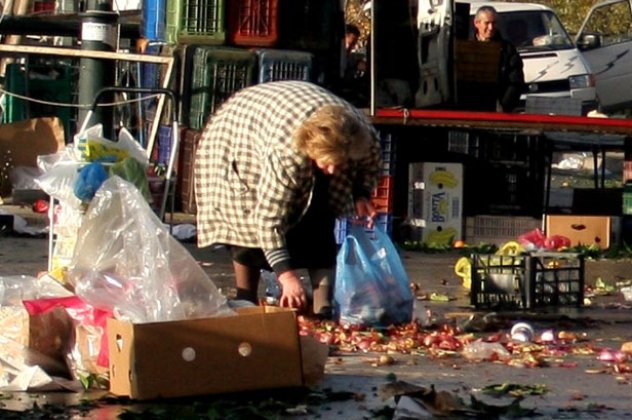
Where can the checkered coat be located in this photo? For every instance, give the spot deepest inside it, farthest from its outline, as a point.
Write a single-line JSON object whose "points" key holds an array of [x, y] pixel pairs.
{"points": [[250, 184]]}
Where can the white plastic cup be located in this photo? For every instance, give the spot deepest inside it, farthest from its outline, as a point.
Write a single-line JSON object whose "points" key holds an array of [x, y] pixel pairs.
{"points": [[522, 332]]}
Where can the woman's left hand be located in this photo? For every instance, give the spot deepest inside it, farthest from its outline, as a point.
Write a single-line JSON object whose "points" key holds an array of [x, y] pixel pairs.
{"points": [[365, 209]]}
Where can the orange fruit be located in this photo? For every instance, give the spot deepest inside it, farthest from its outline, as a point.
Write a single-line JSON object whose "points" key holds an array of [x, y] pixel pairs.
{"points": [[458, 244]]}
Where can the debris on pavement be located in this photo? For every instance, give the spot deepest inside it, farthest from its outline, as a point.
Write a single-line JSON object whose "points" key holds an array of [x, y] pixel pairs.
{"points": [[414, 402]]}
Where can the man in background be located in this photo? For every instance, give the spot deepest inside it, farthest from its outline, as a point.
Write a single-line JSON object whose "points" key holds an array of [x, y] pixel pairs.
{"points": [[510, 72]]}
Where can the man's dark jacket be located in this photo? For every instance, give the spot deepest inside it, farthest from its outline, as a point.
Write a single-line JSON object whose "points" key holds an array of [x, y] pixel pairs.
{"points": [[510, 75]]}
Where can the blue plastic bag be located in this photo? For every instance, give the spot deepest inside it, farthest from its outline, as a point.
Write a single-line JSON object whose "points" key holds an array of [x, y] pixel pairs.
{"points": [[89, 181], [372, 287]]}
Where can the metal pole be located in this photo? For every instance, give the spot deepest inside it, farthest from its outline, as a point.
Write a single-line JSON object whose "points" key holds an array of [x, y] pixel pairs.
{"points": [[99, 32]]}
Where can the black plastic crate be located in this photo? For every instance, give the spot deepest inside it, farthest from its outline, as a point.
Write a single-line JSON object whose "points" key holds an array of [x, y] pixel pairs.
{"points": [[218, 72], [539, 279], [557, 279]]}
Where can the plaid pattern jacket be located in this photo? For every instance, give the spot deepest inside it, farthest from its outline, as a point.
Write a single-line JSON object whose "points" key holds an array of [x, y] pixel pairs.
{"points": [[250, 184]]}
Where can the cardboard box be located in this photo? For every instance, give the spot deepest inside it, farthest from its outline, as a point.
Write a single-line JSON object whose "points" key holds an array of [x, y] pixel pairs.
{"points": [[581, 230], [43, 337], [435, 205], [257, 349], [21, 142], [46, 333]]}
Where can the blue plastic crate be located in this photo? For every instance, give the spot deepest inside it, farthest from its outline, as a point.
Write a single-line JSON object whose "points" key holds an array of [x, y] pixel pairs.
{"points": [[153, 25], [387, 144], [164, 144], [276, 65], [383, 222], [150, 74]]}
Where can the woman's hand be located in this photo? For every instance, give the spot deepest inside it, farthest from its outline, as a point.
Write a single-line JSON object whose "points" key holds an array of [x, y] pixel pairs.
{"points": [[364, 209], [292, 291]]}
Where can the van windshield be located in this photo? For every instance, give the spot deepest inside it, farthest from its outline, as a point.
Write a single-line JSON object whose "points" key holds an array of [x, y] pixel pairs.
{"points": [[535, 30]]}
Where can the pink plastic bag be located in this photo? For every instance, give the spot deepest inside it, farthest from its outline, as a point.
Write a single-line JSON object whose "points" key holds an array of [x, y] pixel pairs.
{"points": [[556, 242], [532, 240], [84, 316]]}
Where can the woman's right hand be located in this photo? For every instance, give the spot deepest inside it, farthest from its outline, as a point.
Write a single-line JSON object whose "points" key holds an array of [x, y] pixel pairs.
{"points": [[292, 291]]}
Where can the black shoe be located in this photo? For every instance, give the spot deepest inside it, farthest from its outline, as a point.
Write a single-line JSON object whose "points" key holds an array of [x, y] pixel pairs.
{"points": [[325, 313]]}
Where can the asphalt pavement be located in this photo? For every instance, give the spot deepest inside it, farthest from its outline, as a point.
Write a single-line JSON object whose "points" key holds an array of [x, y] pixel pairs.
{"points": [[577, 385]]}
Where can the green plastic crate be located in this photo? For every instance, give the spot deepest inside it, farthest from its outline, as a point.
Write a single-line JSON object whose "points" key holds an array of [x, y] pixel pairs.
{"points": [[196, 21], [218, 72], [43, 84]]}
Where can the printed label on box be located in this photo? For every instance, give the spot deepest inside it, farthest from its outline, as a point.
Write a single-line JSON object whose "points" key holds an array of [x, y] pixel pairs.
{"points": [[436, 197]]}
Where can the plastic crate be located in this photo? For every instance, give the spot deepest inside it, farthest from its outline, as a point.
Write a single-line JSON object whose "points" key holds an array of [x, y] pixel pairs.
{"points": [[540, 279], [498, 229], [187, 160], [196, 21], [164, 144], [44, 6], [382, 196], [383, 222], [387, 145], [218, 72], [150, 72], [284, 65], [38, 83], [153, 24], [253, 23]]}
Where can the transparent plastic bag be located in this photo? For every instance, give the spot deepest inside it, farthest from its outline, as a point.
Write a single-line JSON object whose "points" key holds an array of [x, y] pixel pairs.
{"points": [[59, 175], [372, 286], [126, 261]]}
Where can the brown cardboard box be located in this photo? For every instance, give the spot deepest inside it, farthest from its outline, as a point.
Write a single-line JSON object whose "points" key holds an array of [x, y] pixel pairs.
{"points": [[256, 349], [43, 336], [581, 230], [47, 333], [21, 142]]}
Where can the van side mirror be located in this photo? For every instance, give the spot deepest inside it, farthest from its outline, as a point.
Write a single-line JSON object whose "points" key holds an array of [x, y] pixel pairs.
{"points": [[588, 41]]}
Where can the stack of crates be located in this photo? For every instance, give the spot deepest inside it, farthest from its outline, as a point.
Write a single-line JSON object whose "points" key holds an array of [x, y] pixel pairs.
{"points": [[532, 280], [218, 72], [381, 197]]}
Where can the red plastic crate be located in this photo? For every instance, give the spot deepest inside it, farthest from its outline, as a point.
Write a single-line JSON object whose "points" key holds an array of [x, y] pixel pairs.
{"points": [[44, 6], [382, 196], [253, 23]]}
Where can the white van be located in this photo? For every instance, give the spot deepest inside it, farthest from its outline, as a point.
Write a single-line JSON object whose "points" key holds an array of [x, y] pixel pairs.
{"points": [[605, 40], [553, 66]]}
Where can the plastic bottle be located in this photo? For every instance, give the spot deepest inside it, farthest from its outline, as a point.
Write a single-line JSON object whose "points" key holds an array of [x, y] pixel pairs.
{"points": [[522, 332], [272, 287]]}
